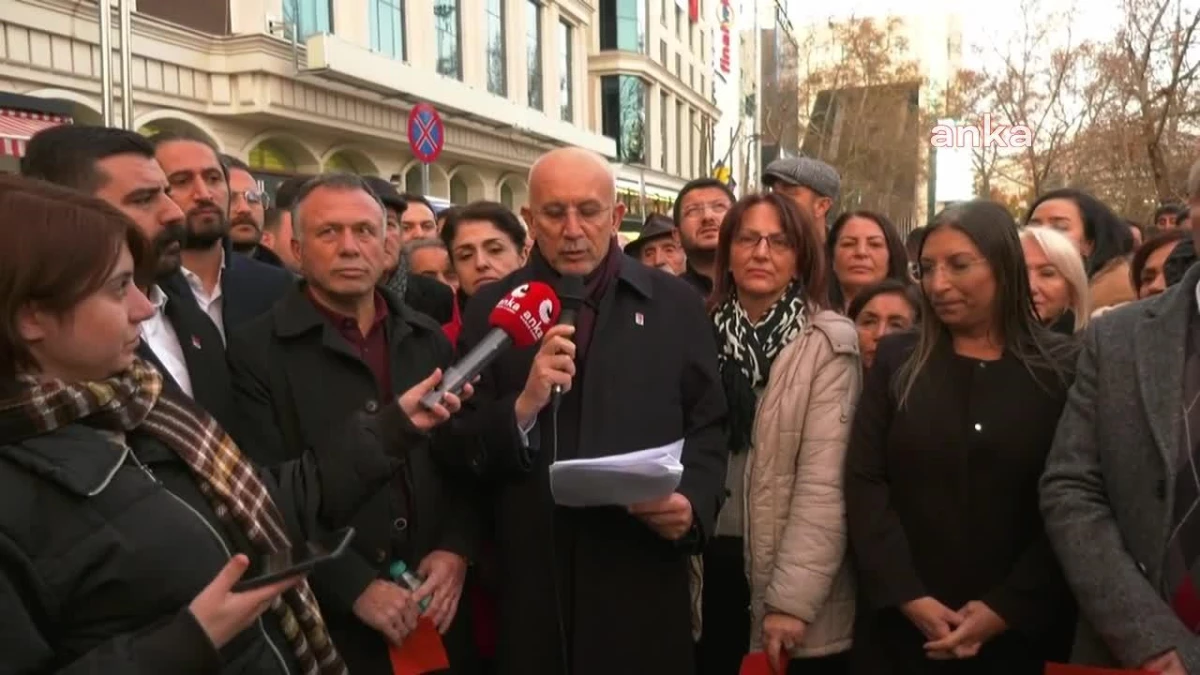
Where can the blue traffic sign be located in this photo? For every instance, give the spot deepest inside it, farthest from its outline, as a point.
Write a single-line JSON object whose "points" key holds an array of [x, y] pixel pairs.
{"points": [[426, 133]]}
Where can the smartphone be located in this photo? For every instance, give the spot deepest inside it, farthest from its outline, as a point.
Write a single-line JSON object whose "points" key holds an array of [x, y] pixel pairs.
{"points": [[297, 560]]}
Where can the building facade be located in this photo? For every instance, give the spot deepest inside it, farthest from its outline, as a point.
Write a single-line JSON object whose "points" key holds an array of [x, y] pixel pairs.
{"points": [[301, 86], [736, 65], [652, 92]]}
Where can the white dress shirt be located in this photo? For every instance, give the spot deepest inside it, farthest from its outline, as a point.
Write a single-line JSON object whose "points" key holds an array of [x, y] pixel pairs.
{"points": [[160, 336], [212, 305]]}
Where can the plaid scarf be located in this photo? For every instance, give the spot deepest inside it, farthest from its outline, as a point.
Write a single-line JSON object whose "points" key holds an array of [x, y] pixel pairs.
{"points": [[135, 400]]}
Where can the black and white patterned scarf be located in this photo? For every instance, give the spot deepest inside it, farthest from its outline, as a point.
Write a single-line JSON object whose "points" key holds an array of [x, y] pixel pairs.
{"points": [[745, 352]]}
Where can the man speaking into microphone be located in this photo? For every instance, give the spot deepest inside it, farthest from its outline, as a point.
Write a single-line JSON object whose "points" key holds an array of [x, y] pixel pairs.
{"points": [[594, 591]]}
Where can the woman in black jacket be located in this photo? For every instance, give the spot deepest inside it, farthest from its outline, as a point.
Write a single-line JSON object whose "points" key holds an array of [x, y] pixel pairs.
{"points": [[949, 441], [126, 514]]}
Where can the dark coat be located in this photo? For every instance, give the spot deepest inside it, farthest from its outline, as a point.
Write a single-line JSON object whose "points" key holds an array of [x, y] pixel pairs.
{"points": [[203, 352], [297, 381], [941, 500], [99, 558], [248, 288], [598, 577], [430, 297]]}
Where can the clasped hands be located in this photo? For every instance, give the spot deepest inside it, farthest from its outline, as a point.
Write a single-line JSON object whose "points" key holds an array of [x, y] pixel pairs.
{"points": [[954, 635]]}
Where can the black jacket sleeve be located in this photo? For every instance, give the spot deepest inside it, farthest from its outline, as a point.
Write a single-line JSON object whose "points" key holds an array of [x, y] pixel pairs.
{"points": [[882, 557], [483, 440], [260, 432], [705, 450], [326, 487], [176, 645]]}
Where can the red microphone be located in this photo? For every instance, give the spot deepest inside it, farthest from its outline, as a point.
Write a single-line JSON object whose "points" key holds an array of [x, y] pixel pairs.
{"points": [[521, 318]]}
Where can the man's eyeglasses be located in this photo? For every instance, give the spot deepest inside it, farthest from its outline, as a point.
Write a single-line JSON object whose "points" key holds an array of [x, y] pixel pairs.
{"points": [[719, 210], [251, 196], [589, 212]]}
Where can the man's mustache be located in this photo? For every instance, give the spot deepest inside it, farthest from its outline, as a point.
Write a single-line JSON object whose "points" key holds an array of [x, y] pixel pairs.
{"points": [[244, 219]]}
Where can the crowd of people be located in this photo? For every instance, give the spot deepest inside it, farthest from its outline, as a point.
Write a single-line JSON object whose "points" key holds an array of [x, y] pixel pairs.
{"points": [[968, 450]]}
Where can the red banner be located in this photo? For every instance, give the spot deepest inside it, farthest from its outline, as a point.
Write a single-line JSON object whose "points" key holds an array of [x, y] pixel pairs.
{"points": [[694, 10]]}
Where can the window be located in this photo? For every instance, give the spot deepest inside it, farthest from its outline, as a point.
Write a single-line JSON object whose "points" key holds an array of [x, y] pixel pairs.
{"points": [[662, 12], [566, 78], [623, 115], [693, 155], [447, 24], [679, 23], [662, 53], [623, 25], [691, 76], [678, 65], [387, 28], [459, 193], [679, 131], [533, 51], [664, 111], [308, 17], [497, 78], [506, 196]]}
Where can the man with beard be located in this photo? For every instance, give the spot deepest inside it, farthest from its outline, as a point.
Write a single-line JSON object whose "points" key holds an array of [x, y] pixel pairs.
{"points": [[658, 246], [230, 289], [699, 210], [812, 184], [247, 213], [118, 166]]}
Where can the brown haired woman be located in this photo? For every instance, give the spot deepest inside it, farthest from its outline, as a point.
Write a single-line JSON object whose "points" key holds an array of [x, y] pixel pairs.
{"points": [[128, 514], [791, 374]]}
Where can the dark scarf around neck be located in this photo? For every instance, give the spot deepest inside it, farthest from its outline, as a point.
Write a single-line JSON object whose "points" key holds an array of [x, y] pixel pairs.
{"points": [[746, 351], [596, 284]]}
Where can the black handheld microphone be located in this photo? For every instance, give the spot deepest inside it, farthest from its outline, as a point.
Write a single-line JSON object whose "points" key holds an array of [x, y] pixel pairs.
{"points": [[571, 293]]}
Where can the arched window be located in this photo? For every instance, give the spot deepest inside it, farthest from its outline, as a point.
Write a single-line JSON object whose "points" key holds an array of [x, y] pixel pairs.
{"points": [[506, 196], [340, 162], [412, 180], [459, 194], [268, 156]]}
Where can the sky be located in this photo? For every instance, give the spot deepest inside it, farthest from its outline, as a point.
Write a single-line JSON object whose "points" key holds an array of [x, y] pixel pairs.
{"points": [[987, 29]]}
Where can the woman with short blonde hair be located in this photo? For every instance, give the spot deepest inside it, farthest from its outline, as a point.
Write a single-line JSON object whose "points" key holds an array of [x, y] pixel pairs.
{"points": [[1057, 279]]}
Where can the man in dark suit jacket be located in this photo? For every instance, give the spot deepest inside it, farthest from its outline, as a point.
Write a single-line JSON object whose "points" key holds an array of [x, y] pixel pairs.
{"points": [[230, 289], [600, 590], [119, 167], [336, 345]]}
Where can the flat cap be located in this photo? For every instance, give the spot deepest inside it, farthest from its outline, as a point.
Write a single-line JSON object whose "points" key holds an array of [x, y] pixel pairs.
{"points": [[805, 172]]}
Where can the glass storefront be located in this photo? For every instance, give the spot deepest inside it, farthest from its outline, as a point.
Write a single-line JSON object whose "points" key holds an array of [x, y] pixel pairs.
{"points": [[623, 115]]}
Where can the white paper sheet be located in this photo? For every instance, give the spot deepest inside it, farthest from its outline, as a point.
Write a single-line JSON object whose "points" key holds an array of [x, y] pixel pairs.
{"points": [[618, 480]]}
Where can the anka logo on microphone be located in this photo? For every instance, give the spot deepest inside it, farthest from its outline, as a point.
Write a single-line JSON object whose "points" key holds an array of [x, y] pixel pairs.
{"points": [[536, 319]]}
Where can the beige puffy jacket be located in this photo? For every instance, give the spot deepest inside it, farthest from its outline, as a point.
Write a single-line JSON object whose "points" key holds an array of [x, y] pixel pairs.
{"points": [[795, 508]]}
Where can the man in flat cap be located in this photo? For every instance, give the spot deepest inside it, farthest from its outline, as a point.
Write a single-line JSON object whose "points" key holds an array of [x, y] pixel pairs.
{"points": [[658, 245], [812, 184]]}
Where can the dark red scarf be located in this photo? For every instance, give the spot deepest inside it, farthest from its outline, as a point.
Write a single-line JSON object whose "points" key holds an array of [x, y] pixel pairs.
{"points": [[596, 284]]}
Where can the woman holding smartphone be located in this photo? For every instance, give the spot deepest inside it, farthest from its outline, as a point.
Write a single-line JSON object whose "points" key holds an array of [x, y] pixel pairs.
{"points": [[127, 515]]}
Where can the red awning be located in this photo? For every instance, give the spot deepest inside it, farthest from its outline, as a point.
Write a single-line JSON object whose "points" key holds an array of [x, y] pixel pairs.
{"points": [[18, 126]]}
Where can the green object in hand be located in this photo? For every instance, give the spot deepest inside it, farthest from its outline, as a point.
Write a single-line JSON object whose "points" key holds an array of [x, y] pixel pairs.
{"points": [[401, 574]]}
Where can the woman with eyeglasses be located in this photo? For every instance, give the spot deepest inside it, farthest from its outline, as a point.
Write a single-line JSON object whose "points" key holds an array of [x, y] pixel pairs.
{"points": [[775, 575], [948, 444]]}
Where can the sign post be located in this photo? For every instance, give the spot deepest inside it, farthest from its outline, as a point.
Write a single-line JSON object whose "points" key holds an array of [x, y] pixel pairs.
{"points": [[426, 137]]}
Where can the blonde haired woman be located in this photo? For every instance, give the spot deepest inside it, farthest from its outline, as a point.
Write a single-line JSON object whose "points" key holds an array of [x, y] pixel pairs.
{"points": [[1057, 279]]}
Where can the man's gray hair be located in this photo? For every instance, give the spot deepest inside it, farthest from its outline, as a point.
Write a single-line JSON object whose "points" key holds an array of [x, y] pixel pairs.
{"points": [[415, 245], [1193, 182], [333, 181]]}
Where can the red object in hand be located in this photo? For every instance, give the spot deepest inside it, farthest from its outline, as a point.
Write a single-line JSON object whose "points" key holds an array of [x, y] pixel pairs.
{"points": [[526, 313], [422, 651], [1069, 669], [757, 663]]}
